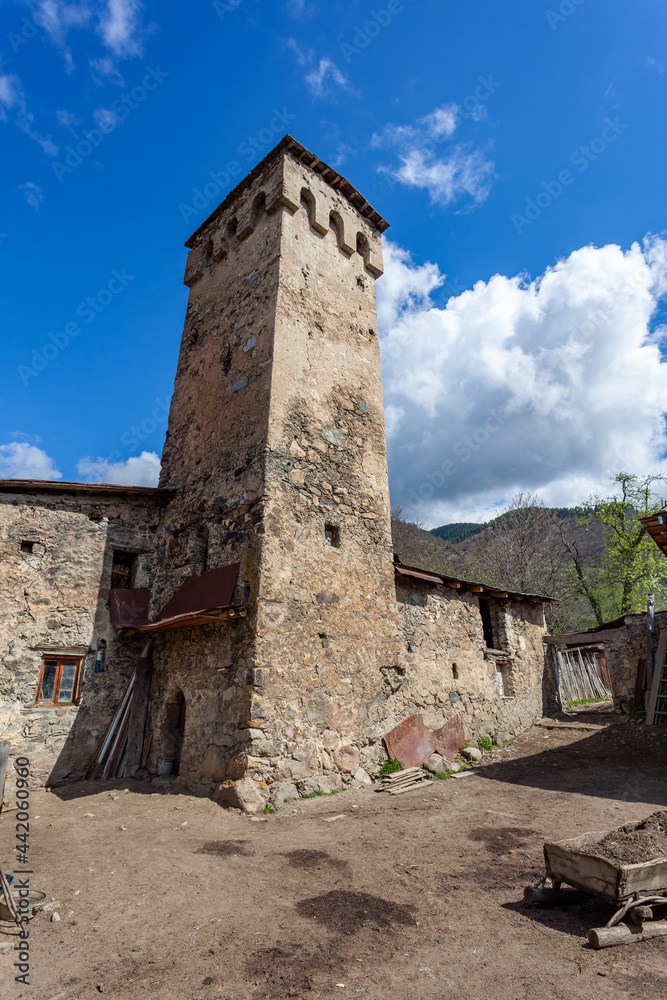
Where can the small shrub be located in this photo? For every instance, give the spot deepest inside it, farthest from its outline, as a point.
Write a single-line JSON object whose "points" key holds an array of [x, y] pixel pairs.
{"points": [[391, 767], [485, 743], [268, 808]]}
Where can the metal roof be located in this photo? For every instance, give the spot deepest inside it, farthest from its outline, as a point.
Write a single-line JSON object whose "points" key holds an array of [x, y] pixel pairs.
{"points": [[656, 526], [332, 177], [90, 489], [483, 589], [200, 600]]}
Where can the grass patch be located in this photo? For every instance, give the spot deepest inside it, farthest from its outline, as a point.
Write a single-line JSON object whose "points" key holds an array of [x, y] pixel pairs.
{"points": [[391, 767], [321, 795], [268, 808], [585, 701], [485, 743]]}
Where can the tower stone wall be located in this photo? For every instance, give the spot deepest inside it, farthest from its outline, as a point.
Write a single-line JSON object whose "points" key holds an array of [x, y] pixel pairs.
{"points": [[276, 447]]}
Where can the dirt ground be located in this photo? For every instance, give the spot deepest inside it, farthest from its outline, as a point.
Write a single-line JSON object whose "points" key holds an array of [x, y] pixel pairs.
{"points": [[169, 897]]}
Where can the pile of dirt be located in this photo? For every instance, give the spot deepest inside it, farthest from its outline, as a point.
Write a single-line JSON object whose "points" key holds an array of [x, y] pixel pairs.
{"points": [[635, 843]]}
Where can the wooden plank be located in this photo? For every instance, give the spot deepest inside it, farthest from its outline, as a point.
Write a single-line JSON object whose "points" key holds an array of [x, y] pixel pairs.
{"points": [[138, 712], [658, 676], [583, 638], [567, 861], [650, 641]]}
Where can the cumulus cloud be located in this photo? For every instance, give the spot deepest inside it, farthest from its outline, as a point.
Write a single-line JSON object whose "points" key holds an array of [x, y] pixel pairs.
{"points": [[140, 470], [449, 174], [22, 460], [548, 385], [32, 193]]}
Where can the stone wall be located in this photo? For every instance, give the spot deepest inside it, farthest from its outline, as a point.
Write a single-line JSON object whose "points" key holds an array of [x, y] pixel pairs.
{"points": [[446, 667], [623, 652], [57, 598]]}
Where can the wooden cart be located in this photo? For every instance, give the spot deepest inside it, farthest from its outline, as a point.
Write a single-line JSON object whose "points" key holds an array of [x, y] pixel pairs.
{"points": [[636, 890]]}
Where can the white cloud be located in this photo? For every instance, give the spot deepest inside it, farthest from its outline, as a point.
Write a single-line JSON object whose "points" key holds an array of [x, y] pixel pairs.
{"points": [[14, 107], [57, 18], [318, 79], [120, 28], [548, 386], [68, 120], [140, 470], [33, 194], [21, 460], [458, 171], [300, 9], [104, 70], [106, 118], [442, 122], [447, 180]]}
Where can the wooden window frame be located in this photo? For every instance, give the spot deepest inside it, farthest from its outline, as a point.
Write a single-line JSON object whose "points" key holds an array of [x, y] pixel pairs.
{"points": [[60, 660]]}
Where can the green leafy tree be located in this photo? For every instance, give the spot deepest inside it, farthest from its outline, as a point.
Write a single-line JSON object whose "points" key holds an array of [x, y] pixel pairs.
{"points": [[632, 565]]}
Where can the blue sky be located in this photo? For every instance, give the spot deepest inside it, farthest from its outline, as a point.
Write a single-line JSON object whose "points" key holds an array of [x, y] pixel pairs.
{"points": [[518, 152]]}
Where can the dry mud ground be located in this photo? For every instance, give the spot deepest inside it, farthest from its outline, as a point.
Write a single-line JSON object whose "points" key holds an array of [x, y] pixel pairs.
{"points": [[411, 896]]}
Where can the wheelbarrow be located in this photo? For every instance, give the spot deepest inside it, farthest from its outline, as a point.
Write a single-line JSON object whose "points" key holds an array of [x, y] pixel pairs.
{"points": [[636, 890]]}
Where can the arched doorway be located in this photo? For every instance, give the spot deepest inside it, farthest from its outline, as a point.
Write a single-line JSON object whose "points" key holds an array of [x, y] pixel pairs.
{"points": [[175, 729]]}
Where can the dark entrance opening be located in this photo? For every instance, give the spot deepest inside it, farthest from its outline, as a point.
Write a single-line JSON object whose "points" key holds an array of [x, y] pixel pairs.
{"points": [[175, 726], [487, 623]]}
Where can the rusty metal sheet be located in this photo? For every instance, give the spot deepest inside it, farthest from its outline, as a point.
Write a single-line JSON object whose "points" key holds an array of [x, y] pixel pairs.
{"points": [[128, 608], [202, 593], [411, 742], [450, 738]]}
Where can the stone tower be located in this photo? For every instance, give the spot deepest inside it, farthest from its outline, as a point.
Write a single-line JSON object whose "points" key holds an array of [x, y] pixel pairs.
{"points": [[276, 447]]}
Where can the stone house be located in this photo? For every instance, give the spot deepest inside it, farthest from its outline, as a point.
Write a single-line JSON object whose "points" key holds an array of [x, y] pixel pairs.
{"points": [[252, 601]]}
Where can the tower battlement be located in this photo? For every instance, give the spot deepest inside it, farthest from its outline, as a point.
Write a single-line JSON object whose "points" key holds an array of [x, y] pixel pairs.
{"points": [[290, 177]]}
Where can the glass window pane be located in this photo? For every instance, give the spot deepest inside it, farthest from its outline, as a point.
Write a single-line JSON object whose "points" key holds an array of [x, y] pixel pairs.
{"points": [[48, 680], [67, 680]]}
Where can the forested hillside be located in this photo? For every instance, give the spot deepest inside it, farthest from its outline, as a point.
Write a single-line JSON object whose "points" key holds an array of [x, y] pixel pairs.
{"points": [[595, 561]]}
